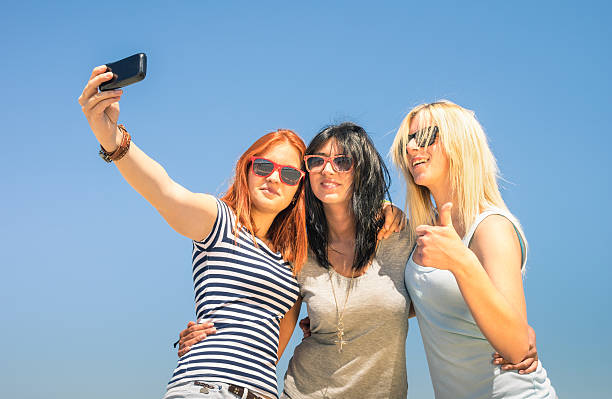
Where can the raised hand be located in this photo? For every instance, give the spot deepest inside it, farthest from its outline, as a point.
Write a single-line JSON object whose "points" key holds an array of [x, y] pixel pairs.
{"points": [[440, 246], [101, 108]]}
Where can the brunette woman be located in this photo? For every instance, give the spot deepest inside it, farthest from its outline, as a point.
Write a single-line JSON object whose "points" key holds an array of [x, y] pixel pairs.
{"points": [[352, 284]]}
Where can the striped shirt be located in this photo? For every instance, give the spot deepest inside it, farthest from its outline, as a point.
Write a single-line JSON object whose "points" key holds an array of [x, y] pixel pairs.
{"points": [[245, 290]]}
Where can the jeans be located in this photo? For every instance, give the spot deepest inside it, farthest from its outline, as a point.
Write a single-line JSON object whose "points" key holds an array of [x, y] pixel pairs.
{"points": [[189, 390]]}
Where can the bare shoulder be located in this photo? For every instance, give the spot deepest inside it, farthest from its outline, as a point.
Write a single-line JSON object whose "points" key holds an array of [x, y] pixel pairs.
{"points": [[206, 202], [204, 214], [495, 240]]}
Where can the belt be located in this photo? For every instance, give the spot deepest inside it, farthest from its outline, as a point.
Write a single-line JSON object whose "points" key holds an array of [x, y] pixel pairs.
{"points": [[233, 389], [239, 391]]}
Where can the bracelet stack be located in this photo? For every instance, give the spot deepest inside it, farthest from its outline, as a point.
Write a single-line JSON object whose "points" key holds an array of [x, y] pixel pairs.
{"points": [[120, 152]]}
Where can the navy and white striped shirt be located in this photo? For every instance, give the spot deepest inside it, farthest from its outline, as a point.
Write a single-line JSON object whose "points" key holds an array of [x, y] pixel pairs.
{"points": [[245, 290]]}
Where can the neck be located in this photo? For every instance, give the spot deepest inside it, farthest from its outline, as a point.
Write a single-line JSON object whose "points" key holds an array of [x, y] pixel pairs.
{"points": [[443, 194], [262, 222], [340, 223]]}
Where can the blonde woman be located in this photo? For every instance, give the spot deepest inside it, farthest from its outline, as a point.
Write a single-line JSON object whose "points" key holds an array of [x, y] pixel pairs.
{"points": [[464, 275]]}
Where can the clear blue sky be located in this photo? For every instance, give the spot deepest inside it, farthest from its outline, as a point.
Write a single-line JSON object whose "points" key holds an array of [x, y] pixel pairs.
{"points": [[96, 286]]}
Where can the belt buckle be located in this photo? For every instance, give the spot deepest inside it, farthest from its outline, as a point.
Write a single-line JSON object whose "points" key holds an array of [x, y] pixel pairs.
{"points": [[241, 392], [235, 390], [205, 387]]}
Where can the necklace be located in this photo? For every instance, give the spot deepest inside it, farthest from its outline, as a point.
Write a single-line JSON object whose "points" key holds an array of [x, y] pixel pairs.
{"points": [[340, 315]]}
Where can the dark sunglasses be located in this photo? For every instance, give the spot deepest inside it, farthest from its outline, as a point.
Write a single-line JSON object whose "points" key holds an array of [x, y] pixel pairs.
{"points": [[424, 137], [289, 175], [340, 163]]}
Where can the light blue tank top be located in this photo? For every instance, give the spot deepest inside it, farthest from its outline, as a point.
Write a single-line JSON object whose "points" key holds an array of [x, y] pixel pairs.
{"points": [[458, 354]]}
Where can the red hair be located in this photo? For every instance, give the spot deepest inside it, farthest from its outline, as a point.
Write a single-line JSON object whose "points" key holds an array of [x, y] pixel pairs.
{"points": [[287, 233]]}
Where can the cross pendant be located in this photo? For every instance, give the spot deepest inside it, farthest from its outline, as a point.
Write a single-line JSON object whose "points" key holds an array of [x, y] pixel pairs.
{"points": [[340, 341]]}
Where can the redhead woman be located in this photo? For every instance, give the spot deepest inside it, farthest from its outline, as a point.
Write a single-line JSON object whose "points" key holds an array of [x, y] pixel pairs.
{"points": [[465, 273], [243, 247]]}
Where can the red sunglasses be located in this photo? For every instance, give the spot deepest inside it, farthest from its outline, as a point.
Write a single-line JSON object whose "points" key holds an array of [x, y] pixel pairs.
{"points": [[263, 167], [340, 163]]}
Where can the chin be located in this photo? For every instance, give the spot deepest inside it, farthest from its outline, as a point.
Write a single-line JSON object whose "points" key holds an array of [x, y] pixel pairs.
{"points": [[421, 182], [332, 199]]}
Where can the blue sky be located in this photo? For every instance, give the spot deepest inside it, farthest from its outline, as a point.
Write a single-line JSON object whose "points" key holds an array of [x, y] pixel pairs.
{"points": [[96, 286]]}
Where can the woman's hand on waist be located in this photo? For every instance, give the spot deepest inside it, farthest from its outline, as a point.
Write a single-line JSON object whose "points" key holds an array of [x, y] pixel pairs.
{"points": [[193, 334]]}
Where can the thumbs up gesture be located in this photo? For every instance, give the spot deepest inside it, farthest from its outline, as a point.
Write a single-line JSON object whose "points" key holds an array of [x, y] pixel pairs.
{"points": [[439, 246]]}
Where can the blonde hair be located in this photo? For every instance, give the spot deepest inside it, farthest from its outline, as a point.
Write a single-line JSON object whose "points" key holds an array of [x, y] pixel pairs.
{"points": [[472, 167]]}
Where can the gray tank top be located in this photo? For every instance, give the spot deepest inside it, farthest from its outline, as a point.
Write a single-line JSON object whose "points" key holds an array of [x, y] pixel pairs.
{"points": [[458, 354], [372, 363]]}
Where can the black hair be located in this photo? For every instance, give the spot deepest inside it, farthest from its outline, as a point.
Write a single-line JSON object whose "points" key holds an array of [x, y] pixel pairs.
{"points": [[371, 183]]}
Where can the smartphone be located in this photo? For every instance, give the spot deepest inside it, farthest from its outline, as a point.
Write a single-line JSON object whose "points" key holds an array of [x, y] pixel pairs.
{"points": [[126, 71]]}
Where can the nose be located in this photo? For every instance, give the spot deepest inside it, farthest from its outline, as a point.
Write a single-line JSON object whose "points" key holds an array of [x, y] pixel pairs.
{"points": [[412, 145], [274, 177], [412, 149], [328, 168]]}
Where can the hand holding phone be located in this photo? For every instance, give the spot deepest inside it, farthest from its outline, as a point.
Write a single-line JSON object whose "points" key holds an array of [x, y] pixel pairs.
{"points": [[126, 71]]}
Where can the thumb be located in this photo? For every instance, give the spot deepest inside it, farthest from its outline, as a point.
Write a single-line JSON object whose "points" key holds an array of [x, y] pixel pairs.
{"points": [[444, 217]]}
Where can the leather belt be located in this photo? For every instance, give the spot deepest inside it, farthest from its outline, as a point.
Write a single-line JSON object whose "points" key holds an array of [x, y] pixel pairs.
{"points": [[239, 391], [233, 389]]}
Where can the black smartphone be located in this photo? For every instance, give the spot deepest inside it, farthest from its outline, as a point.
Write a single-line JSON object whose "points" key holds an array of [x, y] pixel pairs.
{"points": [[126, 71]]}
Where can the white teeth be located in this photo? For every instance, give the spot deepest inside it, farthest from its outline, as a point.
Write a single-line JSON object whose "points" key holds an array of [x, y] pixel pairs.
{"points": [[420, 161]]}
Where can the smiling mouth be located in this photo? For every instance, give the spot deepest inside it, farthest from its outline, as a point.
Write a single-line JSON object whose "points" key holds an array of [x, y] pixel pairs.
{"points": [[329, 184], [418, 162]]}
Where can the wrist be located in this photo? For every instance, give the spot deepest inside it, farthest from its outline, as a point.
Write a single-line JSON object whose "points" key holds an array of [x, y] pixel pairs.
{"points": [[121, 150], [466, 265], [111, 144]]}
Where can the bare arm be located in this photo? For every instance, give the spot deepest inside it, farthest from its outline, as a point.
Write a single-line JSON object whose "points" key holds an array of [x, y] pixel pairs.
{"points": [[287, 325], [528, 365], [488, 275], [492, 286], [190, 214]]}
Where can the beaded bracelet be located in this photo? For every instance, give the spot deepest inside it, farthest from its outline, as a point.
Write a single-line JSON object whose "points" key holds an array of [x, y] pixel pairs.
{"points": [[120, 152]]}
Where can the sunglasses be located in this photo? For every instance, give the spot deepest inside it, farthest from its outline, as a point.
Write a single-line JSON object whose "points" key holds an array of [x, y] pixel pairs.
{"points": [[289, 175], [339, 163], [424, 137]]}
